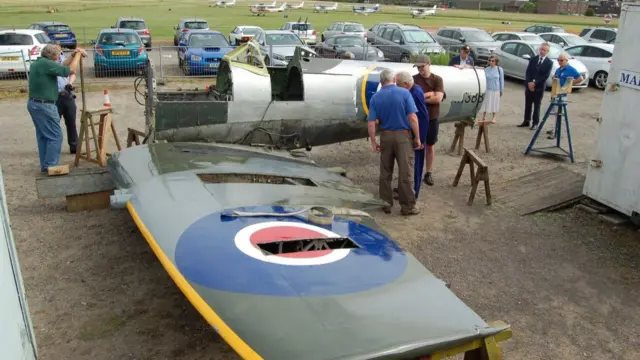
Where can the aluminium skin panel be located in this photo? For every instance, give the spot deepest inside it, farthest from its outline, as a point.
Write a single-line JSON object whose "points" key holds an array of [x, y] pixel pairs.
{"points": [[617, 182]]}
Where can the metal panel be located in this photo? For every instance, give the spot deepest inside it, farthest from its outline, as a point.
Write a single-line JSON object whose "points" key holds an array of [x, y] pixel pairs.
{"points": [[16, 332], [612, 178]]}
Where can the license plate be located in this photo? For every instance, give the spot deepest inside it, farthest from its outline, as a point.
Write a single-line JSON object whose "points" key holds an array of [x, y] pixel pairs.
{"points": [[120, 52], [10, 58], [61, 35], [213, 65]]}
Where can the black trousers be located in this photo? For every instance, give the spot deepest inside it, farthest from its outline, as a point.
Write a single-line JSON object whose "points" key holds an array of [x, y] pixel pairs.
{"points": [[532, 98], [67, 109]]}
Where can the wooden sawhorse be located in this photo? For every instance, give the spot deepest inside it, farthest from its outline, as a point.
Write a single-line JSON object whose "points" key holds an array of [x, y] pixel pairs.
{"points": [[481, 174], [88, 133], [458, 138]]}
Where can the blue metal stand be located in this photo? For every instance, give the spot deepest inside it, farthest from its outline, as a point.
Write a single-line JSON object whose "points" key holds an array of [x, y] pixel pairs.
{"points": [[561, 109]]}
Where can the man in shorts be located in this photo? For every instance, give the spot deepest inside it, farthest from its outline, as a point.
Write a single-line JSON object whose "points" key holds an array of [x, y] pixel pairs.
{"points": [[433, 88]]}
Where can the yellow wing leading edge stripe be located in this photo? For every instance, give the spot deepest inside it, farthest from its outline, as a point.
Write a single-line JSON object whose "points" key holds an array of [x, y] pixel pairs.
{"points": [[240, 347]]}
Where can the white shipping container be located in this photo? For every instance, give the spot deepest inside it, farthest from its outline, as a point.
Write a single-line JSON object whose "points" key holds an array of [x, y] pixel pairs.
{"points": [[613, 176]]}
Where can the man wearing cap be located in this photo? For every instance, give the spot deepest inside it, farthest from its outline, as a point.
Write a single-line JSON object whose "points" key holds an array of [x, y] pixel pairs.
{"points": [[434, 94], [66, 105], [396, 111], [463, 60]]}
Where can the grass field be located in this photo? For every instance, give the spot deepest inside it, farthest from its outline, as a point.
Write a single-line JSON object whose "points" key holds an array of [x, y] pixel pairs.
{"points": [[89, 16]]}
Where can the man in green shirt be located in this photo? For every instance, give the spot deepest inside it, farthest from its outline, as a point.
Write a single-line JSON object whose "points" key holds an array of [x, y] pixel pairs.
{"points": [[43, 93]]}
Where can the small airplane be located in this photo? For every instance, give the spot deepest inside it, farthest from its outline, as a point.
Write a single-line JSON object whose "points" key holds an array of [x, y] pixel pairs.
{"points": [[325, 8], [365, 10], [419, 12], [264, 9], [294, 7], [224, 3], [273, 4]]}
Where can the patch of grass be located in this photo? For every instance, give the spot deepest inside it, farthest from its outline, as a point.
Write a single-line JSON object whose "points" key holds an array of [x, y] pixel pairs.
{"points": [[90, 16]]}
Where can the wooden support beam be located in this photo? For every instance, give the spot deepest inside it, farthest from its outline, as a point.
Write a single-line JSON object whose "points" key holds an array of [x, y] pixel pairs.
{"points": [[458, 138], [483, 134], [92, 201], [134, 137], [482, 174], [58, 170], [77, 182]]}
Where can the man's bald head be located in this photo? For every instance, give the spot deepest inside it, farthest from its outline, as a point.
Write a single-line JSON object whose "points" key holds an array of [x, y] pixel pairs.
{"points": [[563, 60]]}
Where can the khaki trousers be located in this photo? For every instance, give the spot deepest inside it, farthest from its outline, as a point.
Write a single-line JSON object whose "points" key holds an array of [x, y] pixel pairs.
{"points": [[397, 146]]}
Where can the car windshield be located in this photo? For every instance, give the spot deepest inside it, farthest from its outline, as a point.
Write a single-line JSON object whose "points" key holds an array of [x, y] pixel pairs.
{"points": [[135, 25], [530, 37], [118, 39], [57, 28], [350, 41], [250, 31], [353, 28], [15, 39], [554, 51], [477, 36], [207, 40], [574, 39], [302, 27], [196, 25], [418, 36], [283, 39]]}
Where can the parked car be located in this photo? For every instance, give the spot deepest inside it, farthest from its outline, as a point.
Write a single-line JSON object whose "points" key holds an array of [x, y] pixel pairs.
{"points": [[599, 34], [400, 43], [515, 35], [19, 48], [242, 34], [515, 55], [336, 46], [137, 24], [304, 31], [371, 33], [57, 31], [544, 28], [563, 39], [118, 51], [278, 46], [200, 51], [339, 28], [478, 40], [597, 58], [188, 24]]}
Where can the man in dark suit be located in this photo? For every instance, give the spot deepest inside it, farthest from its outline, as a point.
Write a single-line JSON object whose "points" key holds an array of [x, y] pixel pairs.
{"points": [[536, 77]]}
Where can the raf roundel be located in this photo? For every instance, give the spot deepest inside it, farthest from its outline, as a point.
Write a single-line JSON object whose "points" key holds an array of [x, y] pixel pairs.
{"points": [[225, 253], [247, 241]]}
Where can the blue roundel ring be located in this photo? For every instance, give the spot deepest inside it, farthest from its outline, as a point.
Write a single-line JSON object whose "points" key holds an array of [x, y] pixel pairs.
{"points": [[208, 253], [368, 85]]}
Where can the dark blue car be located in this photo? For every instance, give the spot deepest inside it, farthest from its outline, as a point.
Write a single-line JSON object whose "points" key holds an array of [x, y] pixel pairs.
{"points": [[57, 31], [200, 51]]}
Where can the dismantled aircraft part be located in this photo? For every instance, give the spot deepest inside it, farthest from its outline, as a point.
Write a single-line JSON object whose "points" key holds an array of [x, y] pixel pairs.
{"points": [[311, 102], [291, 278]]}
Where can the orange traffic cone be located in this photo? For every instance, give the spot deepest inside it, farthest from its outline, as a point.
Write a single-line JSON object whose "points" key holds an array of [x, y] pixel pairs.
{"points": [[107, 102]]}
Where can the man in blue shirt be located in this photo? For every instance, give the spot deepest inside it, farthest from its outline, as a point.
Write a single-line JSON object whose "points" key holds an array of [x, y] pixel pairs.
{"points": [[405, 80], [66, 105], [395, 110], [564, 72]]}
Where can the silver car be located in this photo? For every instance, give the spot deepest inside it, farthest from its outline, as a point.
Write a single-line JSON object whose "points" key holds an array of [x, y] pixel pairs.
{"points": [[188, 24], [278, 46], [563, 39], [515, 54], [344, 28], [137, 24], [515, 35]]}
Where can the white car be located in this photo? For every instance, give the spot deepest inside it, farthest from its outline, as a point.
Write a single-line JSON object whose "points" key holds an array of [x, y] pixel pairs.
{"points": [[563, 39], [515, 35], [19, 48], [304, 31], [242, 34], [597, 58]]}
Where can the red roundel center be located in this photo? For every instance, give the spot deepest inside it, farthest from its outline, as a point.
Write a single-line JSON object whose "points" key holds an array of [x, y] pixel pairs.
{"points": [[289, 233]]}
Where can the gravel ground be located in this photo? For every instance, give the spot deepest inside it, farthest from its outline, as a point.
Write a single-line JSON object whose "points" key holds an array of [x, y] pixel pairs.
{"points": [[568, 283]]}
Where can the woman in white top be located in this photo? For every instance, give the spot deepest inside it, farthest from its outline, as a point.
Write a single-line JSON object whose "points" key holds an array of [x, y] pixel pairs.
{"points": [[495, 85]]}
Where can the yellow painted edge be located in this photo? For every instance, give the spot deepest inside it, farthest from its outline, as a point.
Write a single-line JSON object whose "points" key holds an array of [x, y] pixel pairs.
{"points": [[363, 88], [475, 344], [244, 350]]}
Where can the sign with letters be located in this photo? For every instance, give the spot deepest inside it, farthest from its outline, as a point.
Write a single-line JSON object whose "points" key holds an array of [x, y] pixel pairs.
{"points": [[630, 79]]}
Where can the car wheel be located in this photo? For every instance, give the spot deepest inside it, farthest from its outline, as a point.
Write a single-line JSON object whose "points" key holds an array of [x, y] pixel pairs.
{"points": [[405, 58], [267, 61], [600, 79], [185, 68], [175, 41], [322, 38]]}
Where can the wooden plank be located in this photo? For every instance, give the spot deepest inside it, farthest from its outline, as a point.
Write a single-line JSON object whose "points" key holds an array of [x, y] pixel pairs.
{"points": [[58, 170], [78, 181], [93, 201]]}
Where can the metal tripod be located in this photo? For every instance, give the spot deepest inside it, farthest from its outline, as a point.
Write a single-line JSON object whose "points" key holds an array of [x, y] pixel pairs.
{"points": [[561, 109]]}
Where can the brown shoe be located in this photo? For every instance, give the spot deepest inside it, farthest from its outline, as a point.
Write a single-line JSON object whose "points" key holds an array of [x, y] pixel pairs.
{"points": [[414, 211]]}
